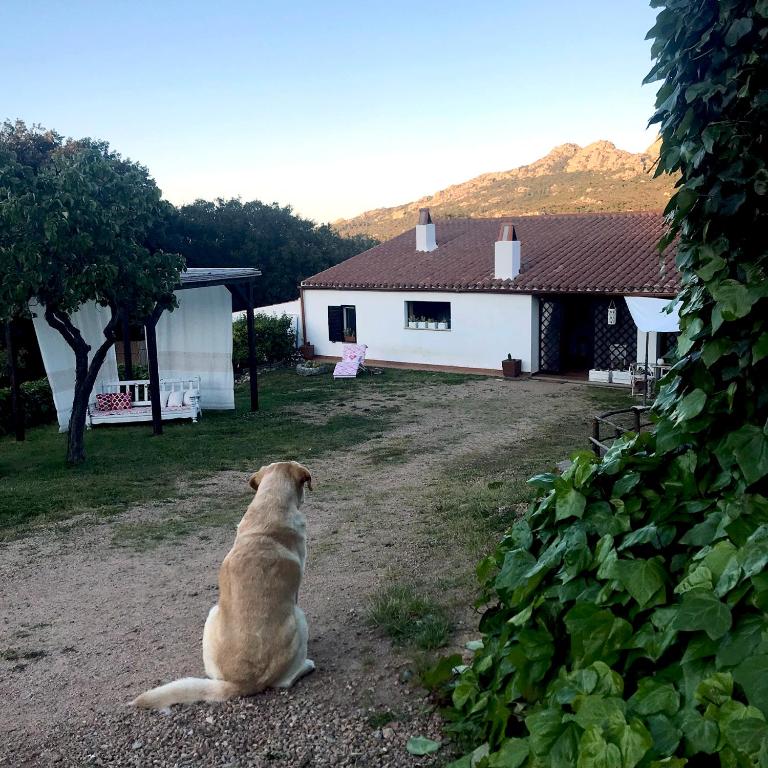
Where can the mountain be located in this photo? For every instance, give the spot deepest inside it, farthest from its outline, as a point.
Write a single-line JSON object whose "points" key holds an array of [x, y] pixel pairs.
{"points": [[598, 177]]}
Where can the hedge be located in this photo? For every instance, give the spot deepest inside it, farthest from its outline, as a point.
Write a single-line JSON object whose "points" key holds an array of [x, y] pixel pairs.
{"points": [[37, 401]]}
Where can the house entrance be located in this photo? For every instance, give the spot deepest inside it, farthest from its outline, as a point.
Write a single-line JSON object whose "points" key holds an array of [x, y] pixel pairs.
{"points": [[575, 335]]}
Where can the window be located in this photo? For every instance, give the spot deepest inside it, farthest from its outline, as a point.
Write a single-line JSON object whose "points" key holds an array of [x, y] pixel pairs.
{"points": [[428, 315], [342, 323]]}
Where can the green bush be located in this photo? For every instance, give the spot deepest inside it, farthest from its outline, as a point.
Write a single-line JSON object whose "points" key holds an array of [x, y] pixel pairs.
{"points": [[139, 371], [37, 401], [275, 340], [626, 623]]}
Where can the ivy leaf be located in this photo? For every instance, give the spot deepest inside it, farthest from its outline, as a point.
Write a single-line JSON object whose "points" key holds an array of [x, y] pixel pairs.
{"points": [[752, 676], [735, 299], [641, 578], [760, 349], [737, 30], [420, 745], [653, 697], [634, 743], [700, 733], [701, 610], [749, 446], [691, 405], [513, 753], [596, 752], [570, 504]]}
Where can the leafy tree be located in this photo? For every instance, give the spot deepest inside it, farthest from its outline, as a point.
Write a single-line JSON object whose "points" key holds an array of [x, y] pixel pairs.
{"points": [[286, 247], [75, 224], [626, 620]]}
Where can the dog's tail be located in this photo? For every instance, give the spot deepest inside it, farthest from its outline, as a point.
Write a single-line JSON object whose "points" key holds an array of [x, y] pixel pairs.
{"points": [[187, 691]]}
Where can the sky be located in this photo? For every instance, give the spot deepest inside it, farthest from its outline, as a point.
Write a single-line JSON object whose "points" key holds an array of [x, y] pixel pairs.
{"points": [[332, 107]]}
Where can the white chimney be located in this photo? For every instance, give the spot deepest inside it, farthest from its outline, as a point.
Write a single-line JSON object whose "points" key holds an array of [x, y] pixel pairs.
{"points": [[425, 232], [506, 264]]}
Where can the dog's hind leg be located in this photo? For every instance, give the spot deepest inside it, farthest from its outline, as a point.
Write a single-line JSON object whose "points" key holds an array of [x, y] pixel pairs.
{"points": [[301, 665], [210, 635]]}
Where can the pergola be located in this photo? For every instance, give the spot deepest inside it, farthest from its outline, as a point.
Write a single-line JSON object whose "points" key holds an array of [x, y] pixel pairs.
{"points": [[239, 281]]}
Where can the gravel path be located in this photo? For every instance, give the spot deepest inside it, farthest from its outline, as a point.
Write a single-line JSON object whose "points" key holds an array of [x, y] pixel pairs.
{"points": [[86, 625]]}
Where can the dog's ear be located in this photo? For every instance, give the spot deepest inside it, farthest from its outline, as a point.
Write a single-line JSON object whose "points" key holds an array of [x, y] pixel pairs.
{"points": [[256, 478], [301, 476]]}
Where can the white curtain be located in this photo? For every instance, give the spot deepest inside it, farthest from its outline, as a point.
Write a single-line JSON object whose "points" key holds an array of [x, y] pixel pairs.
{"points": [[196, 340], [59, 359]]}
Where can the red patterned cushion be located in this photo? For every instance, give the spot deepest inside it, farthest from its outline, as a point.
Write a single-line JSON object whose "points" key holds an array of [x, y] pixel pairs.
{"points": [[121, 401], [104, 402]]}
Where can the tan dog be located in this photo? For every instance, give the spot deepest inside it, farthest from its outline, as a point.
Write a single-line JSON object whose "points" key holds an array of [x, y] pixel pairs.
{"points": [[256, 637]]}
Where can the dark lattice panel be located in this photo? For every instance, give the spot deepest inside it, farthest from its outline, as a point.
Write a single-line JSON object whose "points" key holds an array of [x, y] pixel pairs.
{"points": [[615, 345], [550, 324]]}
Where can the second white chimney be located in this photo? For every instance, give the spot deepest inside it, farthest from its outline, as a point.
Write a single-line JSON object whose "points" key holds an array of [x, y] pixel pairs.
{"points": [[425, 232], [506, 264]]}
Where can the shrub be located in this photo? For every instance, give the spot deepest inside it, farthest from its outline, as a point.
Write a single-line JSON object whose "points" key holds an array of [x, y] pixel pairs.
{"points": [[139, 371], [626, 620], [275, 339], [37, 401]]}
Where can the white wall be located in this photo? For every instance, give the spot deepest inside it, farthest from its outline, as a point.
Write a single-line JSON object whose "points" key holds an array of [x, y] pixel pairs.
{"points": [[485, 327], [290, 308]]}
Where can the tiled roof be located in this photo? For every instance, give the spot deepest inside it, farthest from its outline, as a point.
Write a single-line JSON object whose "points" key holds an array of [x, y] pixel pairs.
{"points": [[595, 252]]}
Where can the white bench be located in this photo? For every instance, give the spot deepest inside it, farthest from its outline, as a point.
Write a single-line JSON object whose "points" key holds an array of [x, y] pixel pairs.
{"points": [[141, 408]]}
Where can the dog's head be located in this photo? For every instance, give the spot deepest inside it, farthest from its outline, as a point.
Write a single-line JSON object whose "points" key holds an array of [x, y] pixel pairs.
{"points": [[292, 470]]}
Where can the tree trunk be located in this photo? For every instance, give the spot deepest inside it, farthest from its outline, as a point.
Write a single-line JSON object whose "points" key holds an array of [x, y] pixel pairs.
{"points": [[85, 375]]}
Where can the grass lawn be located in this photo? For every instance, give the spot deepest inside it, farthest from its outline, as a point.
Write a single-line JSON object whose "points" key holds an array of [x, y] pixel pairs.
{"points": [[126, 464]]}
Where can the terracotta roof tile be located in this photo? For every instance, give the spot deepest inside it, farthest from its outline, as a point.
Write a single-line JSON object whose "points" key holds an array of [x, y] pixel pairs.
{"points": [[594, 252]]}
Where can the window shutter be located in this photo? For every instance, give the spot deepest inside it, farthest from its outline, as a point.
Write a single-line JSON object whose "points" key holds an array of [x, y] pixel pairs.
{"points": [[335, 324]]}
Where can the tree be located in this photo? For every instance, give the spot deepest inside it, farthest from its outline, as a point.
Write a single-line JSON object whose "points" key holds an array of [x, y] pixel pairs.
{"points": [[627, 614], [286, 247], [75, 224]]}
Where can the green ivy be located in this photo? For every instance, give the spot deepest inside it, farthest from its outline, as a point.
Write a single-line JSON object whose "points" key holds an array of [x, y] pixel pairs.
{"points": [[625, 620]]}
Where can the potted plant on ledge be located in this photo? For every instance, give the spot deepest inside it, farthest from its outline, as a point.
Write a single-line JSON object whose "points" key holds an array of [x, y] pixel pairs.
{"points": [[349, 336], [511, 367]]}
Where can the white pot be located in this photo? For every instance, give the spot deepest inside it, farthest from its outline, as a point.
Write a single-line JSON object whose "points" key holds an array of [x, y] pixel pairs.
{"points": [[413, 324], [598, 375], [421, 324], [621, 377], [433, 325], [442, 326]]}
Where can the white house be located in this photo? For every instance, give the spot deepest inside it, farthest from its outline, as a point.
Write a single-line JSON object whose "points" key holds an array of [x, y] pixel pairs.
{"points": [[468, 292]]}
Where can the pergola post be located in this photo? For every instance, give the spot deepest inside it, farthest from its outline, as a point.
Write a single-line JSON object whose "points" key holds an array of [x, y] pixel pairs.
{"points": [[127, 353], [154, 373], [17, 409], [253, 375]]}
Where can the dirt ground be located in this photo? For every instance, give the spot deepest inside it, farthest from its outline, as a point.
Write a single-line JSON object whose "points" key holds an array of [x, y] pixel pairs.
{"points": [[87, 624]]}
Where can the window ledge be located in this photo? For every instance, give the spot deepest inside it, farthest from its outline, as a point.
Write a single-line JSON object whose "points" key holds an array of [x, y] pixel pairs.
{"points": [[438, 330]]}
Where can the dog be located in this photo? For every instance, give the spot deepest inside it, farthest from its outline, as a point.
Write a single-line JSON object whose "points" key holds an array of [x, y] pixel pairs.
{"points": [[255, 637]]}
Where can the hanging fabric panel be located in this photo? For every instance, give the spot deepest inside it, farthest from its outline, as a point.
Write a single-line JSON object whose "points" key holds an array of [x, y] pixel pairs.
{"points": [[59, 359], [196, 340]]}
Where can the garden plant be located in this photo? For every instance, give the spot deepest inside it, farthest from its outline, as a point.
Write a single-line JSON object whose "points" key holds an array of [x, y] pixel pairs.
{"points": [[625, 616]]}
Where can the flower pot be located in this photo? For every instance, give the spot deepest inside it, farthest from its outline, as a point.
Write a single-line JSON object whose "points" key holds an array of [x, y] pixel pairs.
{"points": [[621, 377], [421, 324], [413, 324], [443, 326], [511, 368], [598, 375], [307, 351], [350, 339], [433, 325]]}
